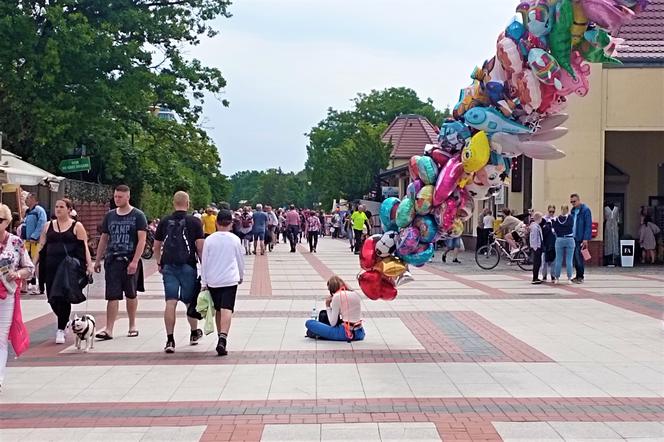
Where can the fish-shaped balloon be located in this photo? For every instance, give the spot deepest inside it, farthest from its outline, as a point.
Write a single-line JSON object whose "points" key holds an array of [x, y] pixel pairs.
{"points": [[545, 67], [491, 121]]}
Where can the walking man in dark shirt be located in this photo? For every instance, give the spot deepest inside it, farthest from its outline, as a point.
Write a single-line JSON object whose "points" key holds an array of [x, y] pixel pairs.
{"points": [[121, 245]]}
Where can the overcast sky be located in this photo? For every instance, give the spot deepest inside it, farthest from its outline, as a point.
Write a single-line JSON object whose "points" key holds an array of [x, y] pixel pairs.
{"points": [[287, 61]]}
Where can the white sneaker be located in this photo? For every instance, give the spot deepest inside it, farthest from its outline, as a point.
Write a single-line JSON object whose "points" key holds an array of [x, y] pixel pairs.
{"points": [[60, 337]]}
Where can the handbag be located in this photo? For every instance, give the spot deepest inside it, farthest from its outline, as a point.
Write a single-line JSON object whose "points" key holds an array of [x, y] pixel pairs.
{"points": [[586, 254], [75, 294]]}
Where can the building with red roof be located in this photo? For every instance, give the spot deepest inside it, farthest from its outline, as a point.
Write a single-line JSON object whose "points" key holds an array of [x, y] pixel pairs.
{"points": [[407, 134]]}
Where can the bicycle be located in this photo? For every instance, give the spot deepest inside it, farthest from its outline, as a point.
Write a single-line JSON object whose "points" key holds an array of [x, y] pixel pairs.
{"points": [[488, 256]]}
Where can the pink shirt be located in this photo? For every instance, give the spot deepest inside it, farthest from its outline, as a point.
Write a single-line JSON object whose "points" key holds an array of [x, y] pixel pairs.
{"points": [[292, 218]]}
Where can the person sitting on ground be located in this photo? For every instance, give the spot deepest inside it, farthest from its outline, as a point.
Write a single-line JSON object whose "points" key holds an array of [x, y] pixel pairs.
{"points": [[342, 318], [514, 230]]}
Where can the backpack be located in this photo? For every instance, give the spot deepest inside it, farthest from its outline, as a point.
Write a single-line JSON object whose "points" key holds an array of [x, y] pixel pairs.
{"points": [[176, 246]]}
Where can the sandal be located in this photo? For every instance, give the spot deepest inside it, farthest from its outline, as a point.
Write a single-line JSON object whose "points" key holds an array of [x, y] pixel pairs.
{"points": [[103, 336], [132, 333]]}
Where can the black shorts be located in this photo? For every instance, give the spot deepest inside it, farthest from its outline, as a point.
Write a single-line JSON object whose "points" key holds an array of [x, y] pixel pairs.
{"points": [[118, 282], [223, 297]]}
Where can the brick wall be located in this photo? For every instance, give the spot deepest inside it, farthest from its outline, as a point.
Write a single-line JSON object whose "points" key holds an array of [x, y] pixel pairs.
{"points": [[91, 214]]}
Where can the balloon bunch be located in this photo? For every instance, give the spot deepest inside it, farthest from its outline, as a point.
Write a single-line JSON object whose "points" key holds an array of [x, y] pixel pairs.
{"points": [[512, 107]]}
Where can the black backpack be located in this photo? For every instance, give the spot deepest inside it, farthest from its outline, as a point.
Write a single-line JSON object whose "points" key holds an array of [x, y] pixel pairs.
{"points": [[176, 248]]}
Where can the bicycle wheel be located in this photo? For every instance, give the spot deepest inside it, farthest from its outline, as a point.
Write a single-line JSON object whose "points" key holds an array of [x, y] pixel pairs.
{"points": [[487, 257], [524, 259]]}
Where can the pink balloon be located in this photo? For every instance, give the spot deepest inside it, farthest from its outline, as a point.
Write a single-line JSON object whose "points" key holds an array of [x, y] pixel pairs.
{"points": [[412, 168], [579, 85], [607, 13], [447, 180], [450, 212], [465, 206]]}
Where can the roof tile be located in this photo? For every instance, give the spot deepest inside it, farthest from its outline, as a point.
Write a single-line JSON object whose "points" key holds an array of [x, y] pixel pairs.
{"points": [[644, 36], [408, 134]]}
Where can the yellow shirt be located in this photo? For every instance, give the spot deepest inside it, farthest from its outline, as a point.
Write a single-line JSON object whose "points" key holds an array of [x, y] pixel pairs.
{"points": [[358, 218], [209, 223]]}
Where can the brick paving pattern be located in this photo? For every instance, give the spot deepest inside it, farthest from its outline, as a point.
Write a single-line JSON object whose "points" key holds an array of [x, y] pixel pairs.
{"points": [[461, 354]]}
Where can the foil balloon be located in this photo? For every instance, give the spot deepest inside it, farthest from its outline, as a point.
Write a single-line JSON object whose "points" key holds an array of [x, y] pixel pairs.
{"points": [[414, 188], [376, 286], [465, 205], [409, 240], [470, 97], [545, 67], [391, 266], [580, 22], [427, 226], [453, 135], [515, 30], [577, 84], [448, 213], [607, 13], [539, 21], [479, 191], [424, 200], [368, 255], [509, 56], [405, 212], [388, 213], [423, 255], [593, 44], [428, 171], [440, 157], [560, 40], [412, 168], [528, 90], [490, 121], [476, 154], [447, 180], [457, 229]]}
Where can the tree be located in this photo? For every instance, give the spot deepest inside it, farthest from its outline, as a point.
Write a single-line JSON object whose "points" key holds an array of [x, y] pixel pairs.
{"points": [[345, 151], [84, 72]]}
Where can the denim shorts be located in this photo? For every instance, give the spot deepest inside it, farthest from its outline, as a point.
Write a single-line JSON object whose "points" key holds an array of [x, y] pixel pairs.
{"points": [[453, 243], [180, 282], [259, 235]]}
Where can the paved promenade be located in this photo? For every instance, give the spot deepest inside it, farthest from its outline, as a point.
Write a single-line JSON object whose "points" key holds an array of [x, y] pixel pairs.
{"points": [[470, 355]]}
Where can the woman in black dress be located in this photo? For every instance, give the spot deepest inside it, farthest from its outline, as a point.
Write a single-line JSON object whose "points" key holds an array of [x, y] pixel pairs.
{"points": [[61, 237]]}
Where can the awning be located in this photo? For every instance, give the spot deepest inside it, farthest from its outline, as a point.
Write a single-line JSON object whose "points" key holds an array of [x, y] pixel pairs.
{"points": [[14, 170]]}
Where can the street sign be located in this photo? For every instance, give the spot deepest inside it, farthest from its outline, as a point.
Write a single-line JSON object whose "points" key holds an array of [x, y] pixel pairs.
{"points": [[75, 165]]}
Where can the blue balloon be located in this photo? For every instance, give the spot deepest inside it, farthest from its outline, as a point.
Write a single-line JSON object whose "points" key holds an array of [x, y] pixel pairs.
{"points": [[453, 135], [421, 257], [386, 213], [491, 121], [515, 30], [427, 226]]}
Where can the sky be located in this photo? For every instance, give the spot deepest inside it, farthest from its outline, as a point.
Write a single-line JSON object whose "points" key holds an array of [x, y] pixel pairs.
{"points": [[286, 62]]}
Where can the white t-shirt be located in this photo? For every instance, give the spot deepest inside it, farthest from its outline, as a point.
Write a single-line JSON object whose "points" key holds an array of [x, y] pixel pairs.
{"points": [[487, 221], [222, 264], [346, 303]]}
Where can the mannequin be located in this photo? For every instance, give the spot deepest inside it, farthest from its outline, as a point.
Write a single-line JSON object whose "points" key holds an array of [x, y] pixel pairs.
{"points": [[611, 240]]}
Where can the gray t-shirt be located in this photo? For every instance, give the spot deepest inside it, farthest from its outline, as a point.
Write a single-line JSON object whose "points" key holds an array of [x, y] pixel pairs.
{"points": [[122, 232]]}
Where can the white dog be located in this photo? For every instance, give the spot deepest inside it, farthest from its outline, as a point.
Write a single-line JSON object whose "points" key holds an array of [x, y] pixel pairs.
{"points": [[84, 329]]}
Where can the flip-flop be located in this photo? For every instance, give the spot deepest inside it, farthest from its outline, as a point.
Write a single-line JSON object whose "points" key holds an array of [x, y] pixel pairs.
{"points": [[132, 333], [103, 336]]}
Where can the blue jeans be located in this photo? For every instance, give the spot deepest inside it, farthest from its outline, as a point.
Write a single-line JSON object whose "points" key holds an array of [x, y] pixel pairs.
{"points": [[180, 282], [579, 263], [564, 247], [336, 333]]}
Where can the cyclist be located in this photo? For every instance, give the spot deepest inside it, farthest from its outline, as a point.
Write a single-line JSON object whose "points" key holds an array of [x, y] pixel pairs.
{"points": [[513, 229]]}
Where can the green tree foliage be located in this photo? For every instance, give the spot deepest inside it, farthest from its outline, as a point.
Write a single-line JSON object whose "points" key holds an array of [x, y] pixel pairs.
{"points": [[273, 187], [345, 152], [76, 72]]}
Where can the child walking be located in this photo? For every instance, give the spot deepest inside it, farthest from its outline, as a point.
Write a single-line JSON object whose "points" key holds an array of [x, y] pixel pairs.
{"points": [[222, 270], [536, 245]]}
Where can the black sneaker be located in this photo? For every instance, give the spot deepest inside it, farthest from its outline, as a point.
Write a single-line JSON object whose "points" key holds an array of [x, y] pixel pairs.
{"points": [[536, 281], [195, 336], [577, 280], [221, 347], [456, 261], [444, 257], [170, 346]]}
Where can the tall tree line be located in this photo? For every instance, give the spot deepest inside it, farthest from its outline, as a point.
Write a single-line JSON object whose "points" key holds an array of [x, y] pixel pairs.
{"points": [[79, 73]]}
